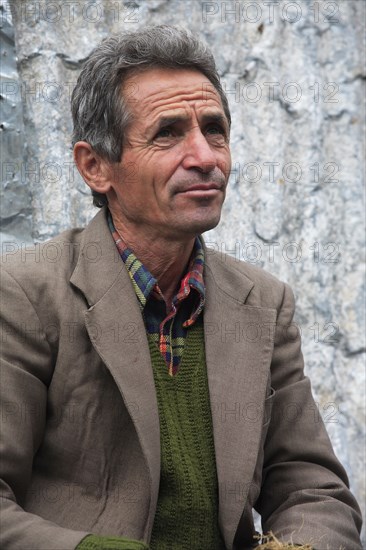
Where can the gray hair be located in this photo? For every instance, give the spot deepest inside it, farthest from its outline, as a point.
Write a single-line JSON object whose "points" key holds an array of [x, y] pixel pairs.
{"points": [[99, 111]]}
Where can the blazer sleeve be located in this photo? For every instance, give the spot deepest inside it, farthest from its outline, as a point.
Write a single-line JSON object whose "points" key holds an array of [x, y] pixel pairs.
{"points": [[26, 371], [305, 494]]}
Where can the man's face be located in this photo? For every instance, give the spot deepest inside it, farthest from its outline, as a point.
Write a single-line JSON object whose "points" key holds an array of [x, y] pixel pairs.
{"points": [[173, 173]]}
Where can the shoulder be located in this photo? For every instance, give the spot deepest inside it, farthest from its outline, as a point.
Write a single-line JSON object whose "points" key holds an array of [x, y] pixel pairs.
{"points": [[54, 274], [36, 277], [32, 263], [55, 259]]}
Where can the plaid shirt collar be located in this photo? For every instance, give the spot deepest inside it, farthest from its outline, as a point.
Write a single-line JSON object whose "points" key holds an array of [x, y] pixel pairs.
{"points": [[146, 285]]}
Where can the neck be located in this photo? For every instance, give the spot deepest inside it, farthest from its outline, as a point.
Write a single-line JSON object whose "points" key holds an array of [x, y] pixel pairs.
{"points": [[166, 259]]}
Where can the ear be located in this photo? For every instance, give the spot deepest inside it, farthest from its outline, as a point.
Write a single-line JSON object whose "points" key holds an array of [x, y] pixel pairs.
{"points": [[94, 170]]}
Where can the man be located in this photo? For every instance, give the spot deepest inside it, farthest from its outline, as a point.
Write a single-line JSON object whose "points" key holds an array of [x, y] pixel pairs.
{"points": [[123, 428]]}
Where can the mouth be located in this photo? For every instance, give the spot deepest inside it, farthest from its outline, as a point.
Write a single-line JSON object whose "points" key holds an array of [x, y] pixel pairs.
{"points": [[203, 189]]}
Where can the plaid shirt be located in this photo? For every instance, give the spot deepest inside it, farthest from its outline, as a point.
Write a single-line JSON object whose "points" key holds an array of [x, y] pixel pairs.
{"points": [[168, 330]]}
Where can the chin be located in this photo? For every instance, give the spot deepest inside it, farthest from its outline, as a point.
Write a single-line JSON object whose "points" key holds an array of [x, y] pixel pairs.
{"points": [[201, 225]]}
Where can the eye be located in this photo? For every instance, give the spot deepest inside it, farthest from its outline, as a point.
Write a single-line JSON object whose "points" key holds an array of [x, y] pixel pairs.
{"points": [[163, 133], [167, 136], [216, 129], [216, 134]]}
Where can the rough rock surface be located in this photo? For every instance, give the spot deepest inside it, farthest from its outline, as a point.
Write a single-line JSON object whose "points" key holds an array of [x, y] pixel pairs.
{"points": [[295, 77]]}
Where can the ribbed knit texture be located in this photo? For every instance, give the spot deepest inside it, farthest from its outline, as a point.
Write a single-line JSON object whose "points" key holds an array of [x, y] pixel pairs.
{"points": [[187, 510]]}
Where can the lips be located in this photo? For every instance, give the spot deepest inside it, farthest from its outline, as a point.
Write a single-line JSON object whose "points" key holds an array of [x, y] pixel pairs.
{"points": [[202, 187]]}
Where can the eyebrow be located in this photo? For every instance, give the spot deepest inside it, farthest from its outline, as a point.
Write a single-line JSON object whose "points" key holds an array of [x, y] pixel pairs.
{"points": [[218, 118], [206, 118], [166, 120]]}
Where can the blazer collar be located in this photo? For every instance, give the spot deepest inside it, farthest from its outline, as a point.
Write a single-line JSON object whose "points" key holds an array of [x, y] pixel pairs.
{"points": [[99, 264], [222, 273]]}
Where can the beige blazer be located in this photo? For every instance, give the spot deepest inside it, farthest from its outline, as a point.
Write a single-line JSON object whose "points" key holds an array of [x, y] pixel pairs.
{"points": [[80, 427]]}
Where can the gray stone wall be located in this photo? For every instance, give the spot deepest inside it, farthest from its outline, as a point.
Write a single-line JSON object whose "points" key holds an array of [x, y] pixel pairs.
{"points": [[295, 76]]}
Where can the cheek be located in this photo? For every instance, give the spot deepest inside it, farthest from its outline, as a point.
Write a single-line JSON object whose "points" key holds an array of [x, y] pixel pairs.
{"points": [[169, 159], [224, 163], [146, 166]]}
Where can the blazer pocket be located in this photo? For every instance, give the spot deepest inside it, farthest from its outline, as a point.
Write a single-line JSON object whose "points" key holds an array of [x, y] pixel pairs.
{"points": [[268, 403]]}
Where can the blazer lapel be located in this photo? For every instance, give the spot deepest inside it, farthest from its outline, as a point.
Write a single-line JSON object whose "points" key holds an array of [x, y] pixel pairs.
{"points": [[238, 355], [116, 329]]}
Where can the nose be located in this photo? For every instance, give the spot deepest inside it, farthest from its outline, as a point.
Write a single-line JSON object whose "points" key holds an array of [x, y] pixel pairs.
{"points": [[198, 153]]}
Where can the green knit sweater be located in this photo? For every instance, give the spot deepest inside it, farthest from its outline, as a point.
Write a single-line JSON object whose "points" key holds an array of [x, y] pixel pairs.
{"points": [[187, 510]]}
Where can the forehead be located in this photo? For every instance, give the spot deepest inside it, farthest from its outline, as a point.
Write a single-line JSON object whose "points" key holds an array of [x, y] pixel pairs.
{"points": [[157, 90]]}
